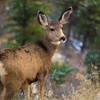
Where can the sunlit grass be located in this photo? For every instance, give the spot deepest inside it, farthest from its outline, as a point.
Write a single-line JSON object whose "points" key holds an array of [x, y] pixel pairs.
{"points": [[85, 91]]}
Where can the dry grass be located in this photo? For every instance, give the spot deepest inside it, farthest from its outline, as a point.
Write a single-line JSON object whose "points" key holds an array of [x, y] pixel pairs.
{"points": [[86, 91]]}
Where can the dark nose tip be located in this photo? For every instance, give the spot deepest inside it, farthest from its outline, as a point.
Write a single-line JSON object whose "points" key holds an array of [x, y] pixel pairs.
{"points": [[62, 38]]}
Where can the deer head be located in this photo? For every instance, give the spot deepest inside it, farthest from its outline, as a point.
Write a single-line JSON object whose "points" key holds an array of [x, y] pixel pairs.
{"points": [[54, 32]]}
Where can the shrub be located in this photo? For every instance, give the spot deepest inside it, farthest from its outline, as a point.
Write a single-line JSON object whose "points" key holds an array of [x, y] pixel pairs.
{"points": [[93, 57], [22, 21], [85, 91], [93, 61], [59, 71]]}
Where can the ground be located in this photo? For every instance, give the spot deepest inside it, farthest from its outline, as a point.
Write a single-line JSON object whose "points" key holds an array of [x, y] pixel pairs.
{"points": [[76, 60]]}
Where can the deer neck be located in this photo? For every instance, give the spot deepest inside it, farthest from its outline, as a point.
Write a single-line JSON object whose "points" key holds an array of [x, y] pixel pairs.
{"points": [[51, 48]]}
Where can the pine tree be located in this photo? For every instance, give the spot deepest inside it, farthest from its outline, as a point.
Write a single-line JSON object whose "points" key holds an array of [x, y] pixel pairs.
{"points": [[22, 23], [85, 19]]}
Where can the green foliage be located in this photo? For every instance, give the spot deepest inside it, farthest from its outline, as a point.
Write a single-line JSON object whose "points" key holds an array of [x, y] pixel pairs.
{"points": [[85, 19], [93, 57], [86, 22], [59, 71], [96, 43], [93, 61], [10, 44], [22, 22]]}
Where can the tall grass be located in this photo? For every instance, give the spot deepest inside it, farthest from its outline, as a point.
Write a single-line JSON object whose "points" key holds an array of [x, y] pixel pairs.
{"points": [[86, 91]]}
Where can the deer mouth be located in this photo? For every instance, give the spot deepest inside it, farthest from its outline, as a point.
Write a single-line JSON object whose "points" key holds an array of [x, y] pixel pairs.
{"points": [[62, 39], [58, 42]]}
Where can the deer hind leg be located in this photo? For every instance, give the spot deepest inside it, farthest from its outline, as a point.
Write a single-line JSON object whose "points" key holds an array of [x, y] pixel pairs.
{"points": [[1, 88], [9, 91]]}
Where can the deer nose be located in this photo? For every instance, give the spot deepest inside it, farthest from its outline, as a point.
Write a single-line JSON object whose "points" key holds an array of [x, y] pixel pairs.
{"points": [[62, 38]]}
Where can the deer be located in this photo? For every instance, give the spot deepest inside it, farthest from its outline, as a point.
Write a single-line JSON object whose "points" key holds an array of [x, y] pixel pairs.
{"points": [[21, 66]]}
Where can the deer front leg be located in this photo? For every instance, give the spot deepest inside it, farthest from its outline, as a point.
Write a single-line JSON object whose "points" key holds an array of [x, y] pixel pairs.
{"points": [[41, 88], [27, 91]]}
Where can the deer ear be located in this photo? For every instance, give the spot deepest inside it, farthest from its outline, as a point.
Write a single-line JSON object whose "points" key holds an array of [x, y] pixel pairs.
{"points": [[42, 18], [65, 16]]}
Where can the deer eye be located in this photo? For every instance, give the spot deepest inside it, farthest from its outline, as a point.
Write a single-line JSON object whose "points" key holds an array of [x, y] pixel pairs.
{"points": [[52, 29]]}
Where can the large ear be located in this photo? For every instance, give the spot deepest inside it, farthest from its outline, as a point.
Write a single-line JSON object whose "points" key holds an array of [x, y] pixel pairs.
{"points": [[42, 18], [65, 16]]}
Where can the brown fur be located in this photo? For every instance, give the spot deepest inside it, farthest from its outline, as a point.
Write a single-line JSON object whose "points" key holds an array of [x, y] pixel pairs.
{"points": [[23, 65]]}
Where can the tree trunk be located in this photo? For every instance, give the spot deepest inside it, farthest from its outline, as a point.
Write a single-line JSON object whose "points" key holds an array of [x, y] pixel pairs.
{"points": [[84, 43], [68, 33], [24, 25]]}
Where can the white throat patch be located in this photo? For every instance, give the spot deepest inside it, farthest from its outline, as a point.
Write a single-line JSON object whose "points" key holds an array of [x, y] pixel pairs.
{"points": [[56, 43]]}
